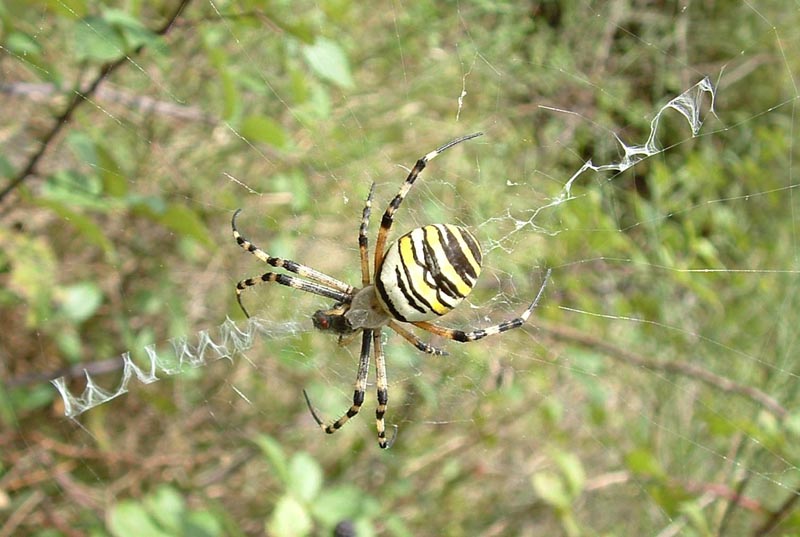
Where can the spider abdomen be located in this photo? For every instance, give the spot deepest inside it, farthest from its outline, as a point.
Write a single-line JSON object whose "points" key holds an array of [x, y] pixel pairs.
{"points": [[428, 271]]}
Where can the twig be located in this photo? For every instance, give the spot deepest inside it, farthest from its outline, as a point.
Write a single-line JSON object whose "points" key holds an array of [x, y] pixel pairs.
{"points": [[100, 367], [39, 92], [78, 98], [682, 368], [777, 516]]}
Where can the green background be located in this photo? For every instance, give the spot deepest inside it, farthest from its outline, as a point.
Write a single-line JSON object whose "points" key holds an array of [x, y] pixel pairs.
{"points": [[653, 392]]}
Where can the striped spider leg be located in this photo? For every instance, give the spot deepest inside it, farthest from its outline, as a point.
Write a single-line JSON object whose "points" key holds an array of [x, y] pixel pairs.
{"points": [[368, 337], [388, 216], [321, 284]]}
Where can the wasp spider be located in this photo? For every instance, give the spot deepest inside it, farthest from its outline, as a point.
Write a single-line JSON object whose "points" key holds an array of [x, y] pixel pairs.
{"points": [[423, 275]]}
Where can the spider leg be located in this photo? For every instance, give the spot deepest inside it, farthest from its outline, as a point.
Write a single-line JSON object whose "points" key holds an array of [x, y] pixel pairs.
{"points": [[363, 240], [388, 216], [289, 281], [358, 394], [382, 389], [287, 264], [474, 335], [417, 342]]}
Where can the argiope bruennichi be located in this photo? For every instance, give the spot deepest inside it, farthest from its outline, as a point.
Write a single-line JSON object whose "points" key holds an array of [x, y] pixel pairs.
{"points": [[423, 275]]}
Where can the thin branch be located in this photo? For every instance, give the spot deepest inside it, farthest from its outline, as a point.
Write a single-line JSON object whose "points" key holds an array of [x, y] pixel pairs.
{"points": [[99, 367], [681, 368], [777, 516], [43, 92], [78, 98]]}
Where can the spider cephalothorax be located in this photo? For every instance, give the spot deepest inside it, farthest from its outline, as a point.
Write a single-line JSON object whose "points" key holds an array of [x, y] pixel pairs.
{"points": [[362, 312], [420, 277]]}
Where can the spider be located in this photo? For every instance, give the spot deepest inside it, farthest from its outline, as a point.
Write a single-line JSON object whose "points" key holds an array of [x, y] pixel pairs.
{"points": [[423, 275]]}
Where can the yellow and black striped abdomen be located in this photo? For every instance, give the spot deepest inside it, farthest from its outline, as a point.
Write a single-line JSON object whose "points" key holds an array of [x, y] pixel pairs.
{"points": [[428, 272]]}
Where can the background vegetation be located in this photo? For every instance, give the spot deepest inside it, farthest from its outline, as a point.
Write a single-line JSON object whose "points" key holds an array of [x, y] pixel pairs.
{"points": [[653, 394]]}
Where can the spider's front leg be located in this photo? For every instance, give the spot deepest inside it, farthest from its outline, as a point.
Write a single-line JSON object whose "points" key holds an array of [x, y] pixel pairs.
{"points": [[388, 215], [358, 393]]}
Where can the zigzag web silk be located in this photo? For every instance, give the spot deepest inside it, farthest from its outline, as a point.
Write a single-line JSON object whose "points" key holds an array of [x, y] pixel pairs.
{"points": [[231, 339]]}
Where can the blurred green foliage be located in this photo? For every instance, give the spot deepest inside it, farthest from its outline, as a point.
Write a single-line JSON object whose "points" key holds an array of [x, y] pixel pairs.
{"points": [[587, 423]]}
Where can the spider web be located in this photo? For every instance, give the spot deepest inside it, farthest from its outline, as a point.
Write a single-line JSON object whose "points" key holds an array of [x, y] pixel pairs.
{"points": [[657, 371]]}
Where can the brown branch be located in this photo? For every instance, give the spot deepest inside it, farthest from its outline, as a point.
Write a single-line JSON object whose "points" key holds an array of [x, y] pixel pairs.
{"points": [[694, 371], [777, 516], [100, 367], [78, 98]]}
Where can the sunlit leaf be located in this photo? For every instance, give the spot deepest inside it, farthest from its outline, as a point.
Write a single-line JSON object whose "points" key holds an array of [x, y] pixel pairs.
{"points": [[167, 507], [130, 518], [335, 504], [643, 462], [69, 8], [275, 455], [114, 181], [22, 44], [80, 301], [263, 129], [289, 519], [329, 61], [202, 524], [73, 187], [550, 489], [305, 476], [572, 470]]}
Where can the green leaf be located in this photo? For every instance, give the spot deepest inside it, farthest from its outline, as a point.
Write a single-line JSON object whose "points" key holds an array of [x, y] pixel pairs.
{"points": [[80, 301], [8, 414], [186, 222], [289, 519], [572, 470], [22, 44], [74, 188], [339, 503], [550, 489], [33, 270], [69, 343], [642, 462], [28, 398], [202, 524], [263, 129], [300, 30], [6, 170], [305, 477], [83, 147], [135, 33], [97, 40], [180, 219], [115, 183], [94, 233], [129, 518], [328, 60], [68, 8], [275, 455], [167, 507], [792, 425]]}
